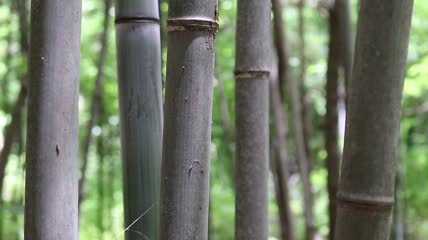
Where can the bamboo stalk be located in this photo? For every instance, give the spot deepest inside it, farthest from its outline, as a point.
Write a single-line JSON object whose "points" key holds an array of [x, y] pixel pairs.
{"points": [[252, 72], [51, 194], [366, 190], [140, 102], [192, 25]]}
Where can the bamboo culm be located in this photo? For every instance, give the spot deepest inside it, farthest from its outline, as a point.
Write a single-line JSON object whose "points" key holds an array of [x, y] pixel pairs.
{"points": [[366, 189], [192, 25], [252, 73], [51, 192], [140, 103], [338, 61]]}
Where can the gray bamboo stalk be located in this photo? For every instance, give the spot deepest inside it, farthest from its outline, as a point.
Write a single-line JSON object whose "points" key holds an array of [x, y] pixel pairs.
{"points": [[252, 74], [338, 56], [140, 103], [192, 25], [294, 96], [366, 190], [51, 194], [281, 163], [96, 101]]}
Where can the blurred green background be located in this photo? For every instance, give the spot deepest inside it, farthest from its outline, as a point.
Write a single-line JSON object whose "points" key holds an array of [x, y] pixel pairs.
{"points": [[102, 211]]}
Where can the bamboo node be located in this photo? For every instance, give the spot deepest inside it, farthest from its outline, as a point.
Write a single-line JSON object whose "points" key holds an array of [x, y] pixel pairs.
{"points": [[251, 74], [192, 24], [377, 203], [136, 19]]}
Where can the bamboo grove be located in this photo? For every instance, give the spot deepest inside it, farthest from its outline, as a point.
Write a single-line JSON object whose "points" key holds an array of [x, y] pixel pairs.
{"points": [[213, 119]]}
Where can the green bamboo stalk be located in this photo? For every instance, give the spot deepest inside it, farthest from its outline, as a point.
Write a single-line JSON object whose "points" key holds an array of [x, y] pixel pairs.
{"points": [[140, 102]]}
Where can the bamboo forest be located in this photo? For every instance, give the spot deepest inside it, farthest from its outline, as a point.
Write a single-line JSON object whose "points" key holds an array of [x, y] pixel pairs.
{"points": [[213, 119]]}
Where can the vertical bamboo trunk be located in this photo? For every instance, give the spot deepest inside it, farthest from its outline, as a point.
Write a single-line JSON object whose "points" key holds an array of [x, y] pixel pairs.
{"points": [[338, 59], [305, 98], [294, 96], [187, 135], [52, 135], [96, 101], [281, 163], [140, 103], [342, 14], [252, 72], [365, 196]]}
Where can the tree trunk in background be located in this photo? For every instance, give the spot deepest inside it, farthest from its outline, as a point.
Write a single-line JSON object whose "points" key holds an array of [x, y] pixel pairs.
{"points": [[305, 98], [14, 127], [140, 99], [227, 132], [342, 17], [11, 133], [294, 96], [96, 101], [192, 25], [366, 190], [101, 186], [280, 41], [281, 163], [252, 74], [336, 63], [339, 60], [399, 229], [51, 194]]}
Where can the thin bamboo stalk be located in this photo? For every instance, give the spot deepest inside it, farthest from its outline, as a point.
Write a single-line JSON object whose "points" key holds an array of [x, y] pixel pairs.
{"points": [[252, 73]]}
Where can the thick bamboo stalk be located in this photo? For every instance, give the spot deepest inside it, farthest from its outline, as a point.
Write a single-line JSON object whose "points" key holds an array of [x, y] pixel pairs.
{"points": [[366, 190], [188, 104], [252, 72], [51, 193], [140, 103]]}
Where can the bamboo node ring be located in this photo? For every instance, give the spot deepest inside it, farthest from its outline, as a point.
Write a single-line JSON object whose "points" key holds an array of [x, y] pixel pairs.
{"points": [[364, 202], [192, 24], [136, 19], [251, 74]]}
